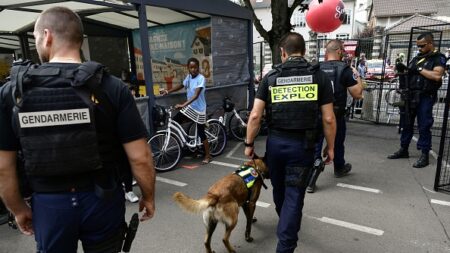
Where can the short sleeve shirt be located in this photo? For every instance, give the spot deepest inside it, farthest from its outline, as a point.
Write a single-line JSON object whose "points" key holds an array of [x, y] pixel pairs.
{"points": [[191, 84], [129, 125], [348, 78], [438, 60]]}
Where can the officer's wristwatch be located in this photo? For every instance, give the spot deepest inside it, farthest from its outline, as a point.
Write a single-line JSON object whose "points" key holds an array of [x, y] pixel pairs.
{"points": [[419, 69], [248, 144]]}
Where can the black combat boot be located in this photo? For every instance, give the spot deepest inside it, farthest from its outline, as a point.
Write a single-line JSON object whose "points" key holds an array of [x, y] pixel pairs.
{"points": [[401, 153], [319, 165], [340, 172], [3, 214], [422, 162], [3, 218]]}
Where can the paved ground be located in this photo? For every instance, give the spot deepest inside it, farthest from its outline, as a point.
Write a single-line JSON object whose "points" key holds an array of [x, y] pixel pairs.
{"points": [[382, 206]]}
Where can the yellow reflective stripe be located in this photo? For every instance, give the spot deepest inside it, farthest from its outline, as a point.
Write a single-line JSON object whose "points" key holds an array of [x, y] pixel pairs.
{"points": [[247, 172], [294, 93], [243, 173]]}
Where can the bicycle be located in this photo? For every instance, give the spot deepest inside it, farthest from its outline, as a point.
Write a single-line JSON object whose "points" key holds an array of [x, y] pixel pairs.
{"points": [[393, 95], [237, 122], [167, 145]]}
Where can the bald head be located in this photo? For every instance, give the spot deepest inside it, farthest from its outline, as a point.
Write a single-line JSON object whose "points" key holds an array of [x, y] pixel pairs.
{"points": [[334, 45], [65, 25], [335, 49]]}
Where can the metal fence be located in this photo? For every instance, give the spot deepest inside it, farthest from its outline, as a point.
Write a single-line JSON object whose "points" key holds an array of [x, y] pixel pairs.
{"points": [[442, 180], [380, 103], [381, 97]]}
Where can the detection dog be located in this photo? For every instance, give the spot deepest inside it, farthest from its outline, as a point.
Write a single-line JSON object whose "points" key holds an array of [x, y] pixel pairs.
{"points": [[222, 202]]}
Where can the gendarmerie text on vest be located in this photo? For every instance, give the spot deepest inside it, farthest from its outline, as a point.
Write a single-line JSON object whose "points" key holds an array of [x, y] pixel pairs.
{"points": [[54, 118]]}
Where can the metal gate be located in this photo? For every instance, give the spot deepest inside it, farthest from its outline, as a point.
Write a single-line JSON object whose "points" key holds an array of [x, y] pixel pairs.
{"points": [[381, 96], [442, 180]]}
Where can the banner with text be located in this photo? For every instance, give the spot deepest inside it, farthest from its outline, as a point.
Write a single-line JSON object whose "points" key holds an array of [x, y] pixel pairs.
{"points": [[170, 48]]}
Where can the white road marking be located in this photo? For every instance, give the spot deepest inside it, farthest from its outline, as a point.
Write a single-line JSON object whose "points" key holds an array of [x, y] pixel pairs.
{"points": [[353, 226], [262, 204], [434, 155], [428, 190], [170, 181], [226, 164], [230, 154], [360, 188], [440, 202], [238, 158]]}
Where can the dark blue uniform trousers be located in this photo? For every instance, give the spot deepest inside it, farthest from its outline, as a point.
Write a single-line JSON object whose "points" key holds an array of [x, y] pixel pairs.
{"points": [[61, 219], [283, 154], [339, 147], [424, 114]]}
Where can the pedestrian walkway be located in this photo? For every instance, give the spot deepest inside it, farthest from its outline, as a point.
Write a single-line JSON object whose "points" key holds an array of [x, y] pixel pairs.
{"points": [[381, 206]]}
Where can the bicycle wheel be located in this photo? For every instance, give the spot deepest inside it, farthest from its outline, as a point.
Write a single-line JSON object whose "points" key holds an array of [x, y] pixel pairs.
{"points": [[166, 152], [238, 125], [217, 137]]}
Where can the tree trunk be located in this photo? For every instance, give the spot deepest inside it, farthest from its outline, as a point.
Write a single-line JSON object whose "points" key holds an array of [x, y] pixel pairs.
{"points": [[276, 53], [281, 24]]}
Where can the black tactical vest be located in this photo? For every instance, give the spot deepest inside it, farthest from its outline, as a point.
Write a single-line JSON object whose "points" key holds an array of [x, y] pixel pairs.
{"points": [[55, 120], [293, 97], [419, 82], [334, 70]]}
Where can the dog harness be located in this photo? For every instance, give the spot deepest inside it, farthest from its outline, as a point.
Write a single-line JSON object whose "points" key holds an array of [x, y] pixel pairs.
{"points": [[248, 174]]}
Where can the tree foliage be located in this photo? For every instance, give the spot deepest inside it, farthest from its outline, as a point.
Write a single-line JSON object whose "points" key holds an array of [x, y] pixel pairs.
{"points": [[281, 23], [367, 32]]}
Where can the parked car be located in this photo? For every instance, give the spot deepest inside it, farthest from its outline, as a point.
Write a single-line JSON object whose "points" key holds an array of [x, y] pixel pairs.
{"points": [[375, 68]]}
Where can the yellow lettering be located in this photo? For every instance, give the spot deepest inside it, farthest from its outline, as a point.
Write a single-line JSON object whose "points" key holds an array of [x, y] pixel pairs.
{"points": [[294, 93]]}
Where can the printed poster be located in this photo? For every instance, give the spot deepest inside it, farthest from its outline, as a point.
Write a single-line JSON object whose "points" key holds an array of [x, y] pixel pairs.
{"points": [[170, 48]]}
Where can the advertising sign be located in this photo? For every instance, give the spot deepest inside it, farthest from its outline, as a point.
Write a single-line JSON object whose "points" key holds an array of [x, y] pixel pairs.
{"points": [[170, 48]]}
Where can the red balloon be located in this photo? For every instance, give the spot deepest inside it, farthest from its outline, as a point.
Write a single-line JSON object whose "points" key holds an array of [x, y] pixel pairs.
{"points": [[325, 17]]}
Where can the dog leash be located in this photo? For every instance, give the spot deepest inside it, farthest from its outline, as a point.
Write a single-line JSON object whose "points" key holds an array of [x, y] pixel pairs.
{"points": [[260, 174]]}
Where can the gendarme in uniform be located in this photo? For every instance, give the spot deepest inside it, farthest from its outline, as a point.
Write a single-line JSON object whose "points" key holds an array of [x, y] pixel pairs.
{"points": [[76, 125], [424, 78], [72, 145], [293, 94]]}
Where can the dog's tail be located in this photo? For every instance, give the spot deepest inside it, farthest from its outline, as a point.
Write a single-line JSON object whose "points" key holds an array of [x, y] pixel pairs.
{"points": [[192, 205]]}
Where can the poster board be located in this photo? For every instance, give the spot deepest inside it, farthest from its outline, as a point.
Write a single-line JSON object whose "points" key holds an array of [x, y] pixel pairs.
{"points": [[170, 48]]}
